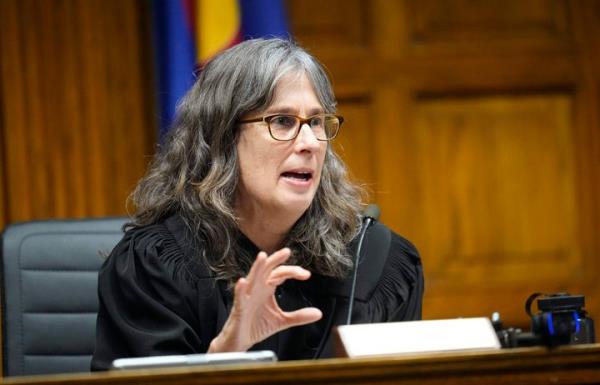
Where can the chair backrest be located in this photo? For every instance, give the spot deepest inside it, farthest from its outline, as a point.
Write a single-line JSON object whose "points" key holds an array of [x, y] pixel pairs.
{"points": [[49, 296]]}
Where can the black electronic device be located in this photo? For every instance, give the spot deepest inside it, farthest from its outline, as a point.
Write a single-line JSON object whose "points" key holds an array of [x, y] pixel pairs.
{"points": [[561, 320]]}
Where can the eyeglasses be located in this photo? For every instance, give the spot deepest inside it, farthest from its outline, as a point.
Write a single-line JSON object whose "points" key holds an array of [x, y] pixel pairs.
{"points": [[287, 127]]}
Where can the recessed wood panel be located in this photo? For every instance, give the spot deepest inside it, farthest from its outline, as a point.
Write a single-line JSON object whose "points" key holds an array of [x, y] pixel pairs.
{"points": [[498, 199], [336, 24], [459, 20], [497, 179]]}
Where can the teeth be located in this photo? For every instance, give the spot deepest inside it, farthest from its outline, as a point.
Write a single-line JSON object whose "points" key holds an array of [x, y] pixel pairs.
{"points": [[297, 175]]}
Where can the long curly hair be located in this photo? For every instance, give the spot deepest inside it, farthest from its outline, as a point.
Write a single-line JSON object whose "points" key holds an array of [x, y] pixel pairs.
{"points": [[195, 173]]}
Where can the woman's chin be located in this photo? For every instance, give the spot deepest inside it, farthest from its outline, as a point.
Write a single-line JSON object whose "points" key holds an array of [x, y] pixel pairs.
{"points": [[297, 204]]}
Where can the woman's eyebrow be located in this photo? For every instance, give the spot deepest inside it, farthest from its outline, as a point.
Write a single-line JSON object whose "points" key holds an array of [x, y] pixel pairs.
{"points": [[292, 110], [282, 110]]}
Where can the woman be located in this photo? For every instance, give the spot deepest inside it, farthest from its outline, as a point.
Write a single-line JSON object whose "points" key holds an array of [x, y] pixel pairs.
{"points": [[242, 233]]}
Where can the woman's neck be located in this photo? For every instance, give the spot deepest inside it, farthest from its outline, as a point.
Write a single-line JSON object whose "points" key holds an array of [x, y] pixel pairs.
{"points": [[263, 236], [266, 231]]}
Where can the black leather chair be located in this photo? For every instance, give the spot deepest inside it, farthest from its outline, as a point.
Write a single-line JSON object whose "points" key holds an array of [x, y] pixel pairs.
{"points": [[49, 296]]}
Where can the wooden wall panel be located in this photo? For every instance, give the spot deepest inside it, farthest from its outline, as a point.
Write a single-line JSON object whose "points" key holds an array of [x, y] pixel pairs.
{"points": [[77, 122], [2, 153], [2, 193], [498, 194], [484, 119], [452, 21], [356, 141], [587, 136], [491, 167], [345, 23]]}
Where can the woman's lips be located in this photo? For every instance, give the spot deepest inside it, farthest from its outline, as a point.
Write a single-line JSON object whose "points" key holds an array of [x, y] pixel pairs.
{"points": [[298, 178], [297, 175]]}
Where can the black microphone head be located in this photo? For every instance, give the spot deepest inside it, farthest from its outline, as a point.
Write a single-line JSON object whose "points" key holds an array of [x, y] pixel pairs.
{"points": [[372, 211]]}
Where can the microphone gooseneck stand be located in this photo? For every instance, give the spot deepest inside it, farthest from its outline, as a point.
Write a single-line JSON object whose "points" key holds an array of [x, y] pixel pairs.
{"points": [[370, 216]]}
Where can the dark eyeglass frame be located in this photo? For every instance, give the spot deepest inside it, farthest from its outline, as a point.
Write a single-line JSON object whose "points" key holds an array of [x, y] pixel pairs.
{"points": [[267, 120]]}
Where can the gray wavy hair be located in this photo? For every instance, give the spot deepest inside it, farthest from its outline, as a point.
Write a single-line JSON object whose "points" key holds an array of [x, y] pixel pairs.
{"points": [[195, 173]]}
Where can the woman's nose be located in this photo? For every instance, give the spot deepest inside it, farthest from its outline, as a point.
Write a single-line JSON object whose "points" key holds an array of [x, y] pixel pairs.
{"points": [[307, 139]]}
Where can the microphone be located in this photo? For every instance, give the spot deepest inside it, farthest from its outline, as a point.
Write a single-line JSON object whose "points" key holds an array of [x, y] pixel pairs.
{"points": [[370, 215]]}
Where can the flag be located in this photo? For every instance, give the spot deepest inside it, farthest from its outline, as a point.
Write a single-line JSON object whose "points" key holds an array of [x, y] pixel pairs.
{"points": [[175, 55], [190, 32], [264, 18]]}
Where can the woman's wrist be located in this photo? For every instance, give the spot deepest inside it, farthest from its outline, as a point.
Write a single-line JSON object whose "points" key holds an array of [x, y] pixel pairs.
{"points": [[215, 346], [223, 343]]}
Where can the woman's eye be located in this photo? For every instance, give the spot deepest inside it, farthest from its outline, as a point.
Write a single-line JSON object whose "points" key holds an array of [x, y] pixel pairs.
{"points": [[284, 121], [316, 121]]}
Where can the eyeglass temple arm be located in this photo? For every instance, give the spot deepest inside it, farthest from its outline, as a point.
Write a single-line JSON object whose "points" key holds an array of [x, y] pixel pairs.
{"points": [[252, 120]]}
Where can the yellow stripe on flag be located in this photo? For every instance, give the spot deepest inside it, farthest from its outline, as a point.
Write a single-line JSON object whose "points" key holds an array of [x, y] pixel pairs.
{"points": [[217, 25]]}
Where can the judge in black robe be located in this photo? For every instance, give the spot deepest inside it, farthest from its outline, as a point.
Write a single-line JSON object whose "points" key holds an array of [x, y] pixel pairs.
{"points": [[156, 299], [248, 166]]}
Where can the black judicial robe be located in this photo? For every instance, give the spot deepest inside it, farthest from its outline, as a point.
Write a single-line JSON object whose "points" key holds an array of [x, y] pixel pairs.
{"points": [[157, 298]]}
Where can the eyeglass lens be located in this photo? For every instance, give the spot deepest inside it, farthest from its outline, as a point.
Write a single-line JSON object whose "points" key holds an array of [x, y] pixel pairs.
{"points": [[286, 127]]}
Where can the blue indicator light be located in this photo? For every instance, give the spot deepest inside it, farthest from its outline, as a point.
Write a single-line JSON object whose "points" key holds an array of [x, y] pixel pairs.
{"points": [[550, 324]]}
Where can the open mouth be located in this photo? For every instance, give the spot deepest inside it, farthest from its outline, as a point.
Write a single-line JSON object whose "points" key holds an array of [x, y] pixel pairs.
{"points": [[304, 176]]}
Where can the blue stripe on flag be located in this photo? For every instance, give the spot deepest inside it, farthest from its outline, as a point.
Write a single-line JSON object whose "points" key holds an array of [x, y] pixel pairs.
{"points": [[264, 18], [175, 56]]}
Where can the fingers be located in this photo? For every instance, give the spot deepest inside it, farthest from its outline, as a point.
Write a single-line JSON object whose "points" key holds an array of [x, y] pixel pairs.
{"points": [[282, 273], [302, 316], [257, 267], [240, 291], [263, 265], [240, 287], [278, 257]]}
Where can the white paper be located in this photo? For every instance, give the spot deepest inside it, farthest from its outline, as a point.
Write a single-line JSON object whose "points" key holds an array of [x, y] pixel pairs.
{"points": [[418, 336]]}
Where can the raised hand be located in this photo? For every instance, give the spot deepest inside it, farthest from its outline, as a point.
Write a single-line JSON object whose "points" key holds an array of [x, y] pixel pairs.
{"points": [[255, 314]]}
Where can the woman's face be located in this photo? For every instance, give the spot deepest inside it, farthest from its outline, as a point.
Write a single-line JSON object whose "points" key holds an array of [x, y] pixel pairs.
{"points": [[280, 178]]}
